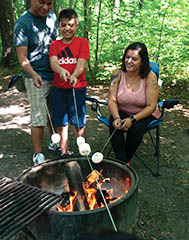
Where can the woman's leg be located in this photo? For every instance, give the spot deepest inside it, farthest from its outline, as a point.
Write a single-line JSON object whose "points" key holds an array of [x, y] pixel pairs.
{"points": [[135, 135], [118, 142]]}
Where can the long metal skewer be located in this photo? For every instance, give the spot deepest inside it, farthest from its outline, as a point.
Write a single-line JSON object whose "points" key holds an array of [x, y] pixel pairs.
{"points": [[76, 112], [108, 140], [105, 202], [92, 169]]}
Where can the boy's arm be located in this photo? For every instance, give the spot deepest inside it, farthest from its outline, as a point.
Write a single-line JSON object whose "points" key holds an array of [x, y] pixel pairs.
{"points": [[64, 74], [80, 67]]}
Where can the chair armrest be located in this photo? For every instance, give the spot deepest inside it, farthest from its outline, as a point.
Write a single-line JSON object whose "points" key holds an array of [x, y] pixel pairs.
{"points": [[104, 120], [154, 124], [91, 99], [96, 105], [170, 103]]}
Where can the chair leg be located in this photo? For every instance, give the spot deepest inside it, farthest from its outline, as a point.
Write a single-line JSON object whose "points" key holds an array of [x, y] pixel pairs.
{"points": [[158, 150], [156, 145]]}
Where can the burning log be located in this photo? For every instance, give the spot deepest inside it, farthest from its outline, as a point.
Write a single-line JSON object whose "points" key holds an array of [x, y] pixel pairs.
{"points": [[75, 181]]}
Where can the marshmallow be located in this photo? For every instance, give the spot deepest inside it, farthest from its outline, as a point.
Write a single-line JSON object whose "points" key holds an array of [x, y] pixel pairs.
{"points": [[84, 149], [97, 157], [55, 138], [80, 140]]}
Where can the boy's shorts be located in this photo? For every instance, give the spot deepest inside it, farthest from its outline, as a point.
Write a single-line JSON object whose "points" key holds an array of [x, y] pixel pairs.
{"points": [[63, 107], [37, 98]]}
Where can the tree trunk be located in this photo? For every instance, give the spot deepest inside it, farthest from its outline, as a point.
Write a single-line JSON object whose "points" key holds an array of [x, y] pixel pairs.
{"points": [[141, 4], [54, 6], [28, 4], [86, 19], [97, 34], [71, 3], [6, 28]]}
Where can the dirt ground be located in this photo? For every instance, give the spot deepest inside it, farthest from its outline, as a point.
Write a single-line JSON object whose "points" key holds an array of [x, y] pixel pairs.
{"points": [[163, 201]]}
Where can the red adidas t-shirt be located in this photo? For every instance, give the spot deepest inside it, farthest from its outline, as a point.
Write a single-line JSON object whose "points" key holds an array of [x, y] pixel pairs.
{"points": [[68, 55]]}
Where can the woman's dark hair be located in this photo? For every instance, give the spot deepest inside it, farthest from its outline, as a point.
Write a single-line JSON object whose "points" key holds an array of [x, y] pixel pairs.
{"points": [[143, 52], [68, 13]]}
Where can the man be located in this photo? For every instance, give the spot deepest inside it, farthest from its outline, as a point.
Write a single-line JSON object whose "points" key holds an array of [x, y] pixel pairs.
{"points": [[33, 32]]}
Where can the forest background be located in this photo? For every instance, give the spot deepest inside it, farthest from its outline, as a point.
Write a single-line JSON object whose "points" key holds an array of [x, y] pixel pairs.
{"points": [[110, 25]]}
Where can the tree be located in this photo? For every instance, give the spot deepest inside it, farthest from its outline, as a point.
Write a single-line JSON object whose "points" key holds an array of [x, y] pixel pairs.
{"points": [[28, 4], [6, 28]]}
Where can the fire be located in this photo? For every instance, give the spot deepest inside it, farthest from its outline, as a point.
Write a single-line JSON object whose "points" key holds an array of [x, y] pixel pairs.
{"points": [[93, 193], [68, 207]]}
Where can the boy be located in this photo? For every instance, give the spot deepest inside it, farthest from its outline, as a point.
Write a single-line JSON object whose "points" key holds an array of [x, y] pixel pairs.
{"points": [[68, 58]]}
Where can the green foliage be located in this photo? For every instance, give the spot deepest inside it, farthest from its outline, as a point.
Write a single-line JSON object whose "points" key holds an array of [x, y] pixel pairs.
{"points": [[161, 25]]}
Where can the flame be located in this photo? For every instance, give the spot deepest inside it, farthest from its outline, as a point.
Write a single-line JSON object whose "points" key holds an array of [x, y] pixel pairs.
{"points": [[93, 190], [70, 206], [91, 199]]}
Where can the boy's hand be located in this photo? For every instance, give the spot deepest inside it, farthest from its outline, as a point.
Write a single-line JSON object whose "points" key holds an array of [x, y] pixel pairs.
{"points": [[73, 80], [64, 75]]}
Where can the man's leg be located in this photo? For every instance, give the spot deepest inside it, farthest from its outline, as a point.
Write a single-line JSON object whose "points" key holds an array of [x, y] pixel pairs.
{"points": [[37, 138], [37, 99]]}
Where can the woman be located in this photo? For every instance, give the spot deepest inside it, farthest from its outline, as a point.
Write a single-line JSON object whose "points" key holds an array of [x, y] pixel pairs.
{"points": [[132, 101]]}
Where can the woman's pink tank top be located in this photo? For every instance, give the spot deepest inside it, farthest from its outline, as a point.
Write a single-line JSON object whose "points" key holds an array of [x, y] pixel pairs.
{"points": [[132, 102]]}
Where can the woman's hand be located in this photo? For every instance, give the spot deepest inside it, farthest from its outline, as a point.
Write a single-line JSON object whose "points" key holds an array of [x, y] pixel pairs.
{"points": [[126, 123], [117, 123]]}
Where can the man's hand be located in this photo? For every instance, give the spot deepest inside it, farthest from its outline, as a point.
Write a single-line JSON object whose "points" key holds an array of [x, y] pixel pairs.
{"points": [[38, 81]]}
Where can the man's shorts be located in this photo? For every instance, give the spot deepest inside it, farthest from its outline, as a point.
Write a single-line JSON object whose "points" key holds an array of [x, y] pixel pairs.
{"points": [[37, 98], [63, 107]]}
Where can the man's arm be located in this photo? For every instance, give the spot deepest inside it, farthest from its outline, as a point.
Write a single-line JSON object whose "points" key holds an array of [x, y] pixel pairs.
{"points": [[26, 66]]}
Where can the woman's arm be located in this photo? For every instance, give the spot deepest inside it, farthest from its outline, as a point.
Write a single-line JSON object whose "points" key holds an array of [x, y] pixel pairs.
{"points": [[112, 102], [151, 97], [151, 102]]}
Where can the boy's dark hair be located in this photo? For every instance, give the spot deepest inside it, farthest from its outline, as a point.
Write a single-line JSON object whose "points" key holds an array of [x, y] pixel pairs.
{"points": [[68, 13], [143, 52]]}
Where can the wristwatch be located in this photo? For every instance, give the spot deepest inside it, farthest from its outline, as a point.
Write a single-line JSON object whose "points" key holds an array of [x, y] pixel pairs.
{"points": [[133, 119]]}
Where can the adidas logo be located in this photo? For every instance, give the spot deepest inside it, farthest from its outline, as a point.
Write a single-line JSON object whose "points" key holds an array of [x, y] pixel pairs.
{"points": [[67, 60], [66, 57]]}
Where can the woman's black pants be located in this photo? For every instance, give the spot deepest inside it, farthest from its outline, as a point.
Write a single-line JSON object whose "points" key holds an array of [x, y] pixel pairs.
{"points": [[123, 146]]}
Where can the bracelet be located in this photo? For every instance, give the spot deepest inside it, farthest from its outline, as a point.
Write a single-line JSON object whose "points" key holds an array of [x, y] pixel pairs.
{"points": [[133, 119]]}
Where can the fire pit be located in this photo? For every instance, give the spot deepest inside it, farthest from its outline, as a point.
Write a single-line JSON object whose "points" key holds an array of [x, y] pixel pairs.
{"points": [[59, 176]]}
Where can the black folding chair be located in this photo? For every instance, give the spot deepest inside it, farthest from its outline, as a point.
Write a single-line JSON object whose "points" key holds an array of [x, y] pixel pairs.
{"points": [[155, 124]]}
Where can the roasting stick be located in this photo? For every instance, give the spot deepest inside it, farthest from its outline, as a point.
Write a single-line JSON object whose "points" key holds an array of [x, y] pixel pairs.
{"points": [[55, 137], [76, 112], [108, 210], [49, 116], [92, 169], [108, 140]]}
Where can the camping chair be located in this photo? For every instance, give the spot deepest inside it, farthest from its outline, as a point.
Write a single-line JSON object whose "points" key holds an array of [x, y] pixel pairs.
{"points": [[155, 124]]}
